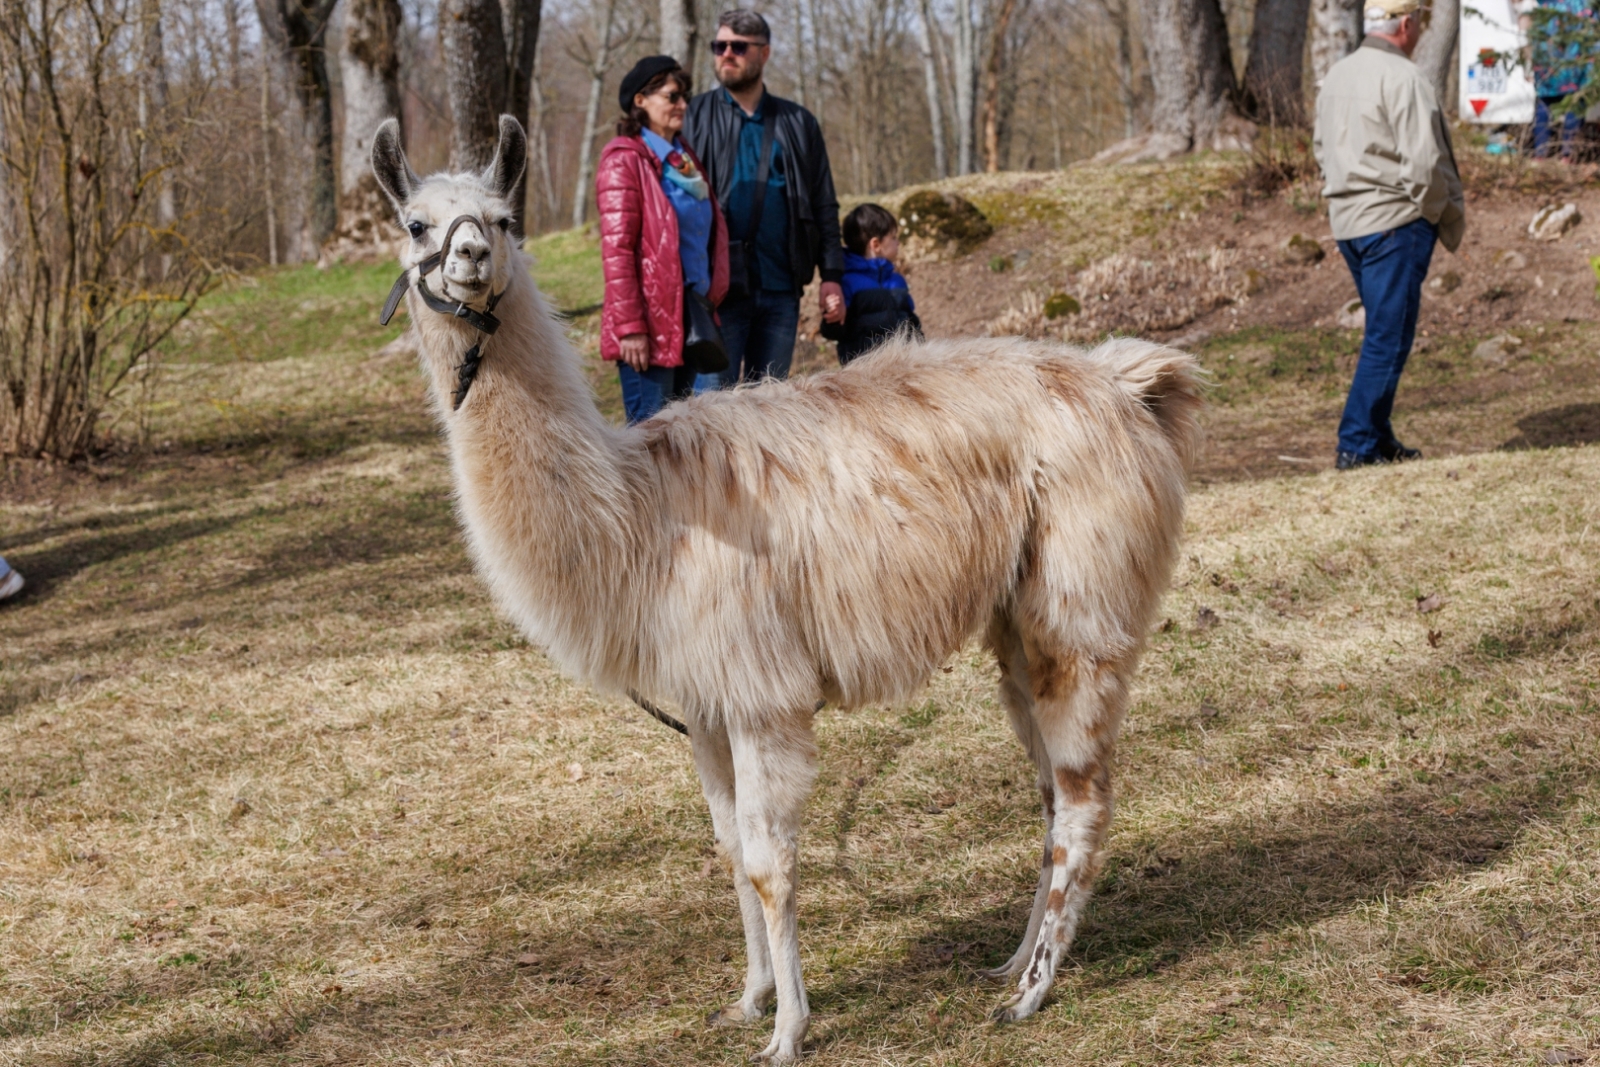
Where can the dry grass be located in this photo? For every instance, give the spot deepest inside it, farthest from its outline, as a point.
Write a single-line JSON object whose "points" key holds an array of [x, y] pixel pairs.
{"points": [[281, 789]]}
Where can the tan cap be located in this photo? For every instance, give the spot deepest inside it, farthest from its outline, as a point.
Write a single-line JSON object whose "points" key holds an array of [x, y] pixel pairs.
{"points": [[1374, 10]]}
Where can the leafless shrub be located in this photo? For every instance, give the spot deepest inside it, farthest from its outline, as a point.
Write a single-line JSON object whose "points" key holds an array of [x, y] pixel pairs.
{"points": [[101, 254]]}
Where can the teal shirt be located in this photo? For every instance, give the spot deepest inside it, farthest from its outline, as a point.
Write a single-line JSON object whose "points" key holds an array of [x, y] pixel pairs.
{"points": [[772, 244]]}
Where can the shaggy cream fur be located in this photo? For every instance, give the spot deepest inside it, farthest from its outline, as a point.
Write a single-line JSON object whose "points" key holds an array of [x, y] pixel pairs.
{"points": [[747, 553]]}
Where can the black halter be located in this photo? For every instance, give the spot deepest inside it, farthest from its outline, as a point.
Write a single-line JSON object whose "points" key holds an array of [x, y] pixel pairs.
{"points": [[482, 321]]}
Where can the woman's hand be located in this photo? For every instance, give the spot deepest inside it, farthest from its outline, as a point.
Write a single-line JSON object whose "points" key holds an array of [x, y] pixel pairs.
{"points": [[636, 351]]}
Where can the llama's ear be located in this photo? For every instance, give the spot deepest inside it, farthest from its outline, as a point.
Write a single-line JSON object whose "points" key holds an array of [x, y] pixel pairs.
{"points": [[390, 167], [510, 157]]}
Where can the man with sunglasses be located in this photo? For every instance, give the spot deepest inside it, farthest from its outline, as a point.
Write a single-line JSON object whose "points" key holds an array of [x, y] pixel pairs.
{"points": [[768, 165]]}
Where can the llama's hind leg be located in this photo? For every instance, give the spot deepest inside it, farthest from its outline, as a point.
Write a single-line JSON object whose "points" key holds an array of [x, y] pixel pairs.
{"points": [[714, 760], [1078, 705], [774, 766], [1006, 644]]}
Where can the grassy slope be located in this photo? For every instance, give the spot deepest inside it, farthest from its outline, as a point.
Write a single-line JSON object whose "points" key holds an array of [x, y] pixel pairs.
{"points": [[281, 788]]}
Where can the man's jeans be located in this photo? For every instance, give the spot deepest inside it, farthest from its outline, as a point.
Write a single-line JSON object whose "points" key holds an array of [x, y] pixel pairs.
{"points": [[1388, 268], [759, 333]]}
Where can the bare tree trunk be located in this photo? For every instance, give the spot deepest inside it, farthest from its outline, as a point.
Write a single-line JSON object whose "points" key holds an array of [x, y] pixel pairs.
{"points": [[680, 33], [992, 118], [539, 138], [370, 65], [930, 78], [1335, 33], [522, 44], [800, 53], [153, 101], [473, 39], [1121, 16], [1191, 69], [599, 61], [966, 85], [1436, 52], [267, 179], [301, 27], [230, 14], [1274, 72]]}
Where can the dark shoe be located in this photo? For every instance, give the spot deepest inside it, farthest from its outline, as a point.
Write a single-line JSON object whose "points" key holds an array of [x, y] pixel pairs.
{"points": [[1395, 452], [1350, 461]]}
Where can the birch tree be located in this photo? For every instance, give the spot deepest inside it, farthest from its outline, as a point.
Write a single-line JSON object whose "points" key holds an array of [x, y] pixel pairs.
{"points": [[370, 66], [965, 47], [1335, 33], [930, 79], [680, 31], [597, 57]]}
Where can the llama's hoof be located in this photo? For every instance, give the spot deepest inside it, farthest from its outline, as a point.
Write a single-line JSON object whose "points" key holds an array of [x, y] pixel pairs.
{"points": [[1019, 1006], [731, 1015], [778, 1053]]}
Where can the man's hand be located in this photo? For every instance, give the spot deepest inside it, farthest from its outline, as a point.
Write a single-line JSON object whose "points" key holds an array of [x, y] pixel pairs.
{"points": [[636, 351], [832, 297]]}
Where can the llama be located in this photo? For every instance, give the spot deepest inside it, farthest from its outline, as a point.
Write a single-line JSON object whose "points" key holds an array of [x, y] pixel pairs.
{"points": [[746, 554]]}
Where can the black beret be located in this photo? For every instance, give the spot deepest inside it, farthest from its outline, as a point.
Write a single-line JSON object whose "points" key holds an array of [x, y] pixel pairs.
{"points": [[643, 72]]}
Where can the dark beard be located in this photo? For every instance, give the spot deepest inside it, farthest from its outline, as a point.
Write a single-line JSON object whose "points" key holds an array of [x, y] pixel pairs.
{"points": [[743, 84]]}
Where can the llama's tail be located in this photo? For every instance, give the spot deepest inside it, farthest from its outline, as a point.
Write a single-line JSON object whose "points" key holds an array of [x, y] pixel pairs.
{"points": [[1166, 381]]}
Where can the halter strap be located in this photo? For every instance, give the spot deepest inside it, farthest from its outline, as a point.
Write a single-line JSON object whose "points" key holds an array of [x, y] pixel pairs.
{"points": [[482, 321]]}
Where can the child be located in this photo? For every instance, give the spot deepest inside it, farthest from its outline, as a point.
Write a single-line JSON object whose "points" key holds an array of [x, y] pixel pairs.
{"points": [[877, 301]]}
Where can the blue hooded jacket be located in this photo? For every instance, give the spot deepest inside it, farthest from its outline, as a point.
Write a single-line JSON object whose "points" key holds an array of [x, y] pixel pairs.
{"points": [[863, 273]]}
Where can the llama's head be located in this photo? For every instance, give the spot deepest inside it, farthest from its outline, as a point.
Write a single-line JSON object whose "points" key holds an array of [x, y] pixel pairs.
{"points": [[478, 262]]}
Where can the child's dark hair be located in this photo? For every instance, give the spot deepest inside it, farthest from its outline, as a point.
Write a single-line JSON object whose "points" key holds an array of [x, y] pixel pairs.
{"points": [[634, 119], [865, 223]]}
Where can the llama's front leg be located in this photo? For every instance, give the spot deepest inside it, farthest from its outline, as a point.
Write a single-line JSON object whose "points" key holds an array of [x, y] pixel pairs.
{"points": [[714, 760], [1078, 707], [774, 766]]}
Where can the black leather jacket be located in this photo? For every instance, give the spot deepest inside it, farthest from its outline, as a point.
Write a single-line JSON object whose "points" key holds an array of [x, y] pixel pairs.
{"points": [[712, 130]]}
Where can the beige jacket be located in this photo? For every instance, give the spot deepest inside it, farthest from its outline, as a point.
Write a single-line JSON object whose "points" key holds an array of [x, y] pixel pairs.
{"points": [[1384, 148]]}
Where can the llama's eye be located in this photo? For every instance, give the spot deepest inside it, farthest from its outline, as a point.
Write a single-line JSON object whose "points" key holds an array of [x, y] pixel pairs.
{"points": [[417, 229], [504, 224]]}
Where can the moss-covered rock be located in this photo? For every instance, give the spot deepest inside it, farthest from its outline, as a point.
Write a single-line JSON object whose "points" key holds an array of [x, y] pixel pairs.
{"points": [[1059, 305], [944, 219]]}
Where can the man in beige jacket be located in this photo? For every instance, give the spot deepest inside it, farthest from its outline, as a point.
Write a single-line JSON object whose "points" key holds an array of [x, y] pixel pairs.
{"points": [[1393, 190]]}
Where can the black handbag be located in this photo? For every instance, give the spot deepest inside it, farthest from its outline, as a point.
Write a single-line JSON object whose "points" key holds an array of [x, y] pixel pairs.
{"points": [[703, 350], [742, 254]]}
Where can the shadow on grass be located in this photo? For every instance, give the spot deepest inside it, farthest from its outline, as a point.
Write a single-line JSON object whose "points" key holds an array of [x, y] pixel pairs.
{"points": [[1573, 424]]}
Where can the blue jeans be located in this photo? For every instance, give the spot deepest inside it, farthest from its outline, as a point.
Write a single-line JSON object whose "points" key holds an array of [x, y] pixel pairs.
{"points": [[1570, 122], [759, 332], [647, 392], [1388, 268]]}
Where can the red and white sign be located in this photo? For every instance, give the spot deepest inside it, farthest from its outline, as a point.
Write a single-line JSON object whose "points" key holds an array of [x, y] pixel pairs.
{"points": [[1493, 92]]}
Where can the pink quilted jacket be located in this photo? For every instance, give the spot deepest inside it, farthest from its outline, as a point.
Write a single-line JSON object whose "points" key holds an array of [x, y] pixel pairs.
{"points": [[639, 251]]}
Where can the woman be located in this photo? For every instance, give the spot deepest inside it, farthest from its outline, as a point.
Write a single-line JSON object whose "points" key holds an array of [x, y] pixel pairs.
{"points": [[660, 229]]}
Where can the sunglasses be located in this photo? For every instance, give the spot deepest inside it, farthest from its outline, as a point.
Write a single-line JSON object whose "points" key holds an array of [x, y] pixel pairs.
{"points": [[677, 96], [738, 48]]}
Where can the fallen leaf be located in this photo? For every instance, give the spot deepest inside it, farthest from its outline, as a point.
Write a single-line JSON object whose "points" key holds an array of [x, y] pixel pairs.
{"points": [[1564, 1055], [1168, 626], [1434, 637], [527, 959], [1431, 602], [423, 924], [329, 990], [241, 808], [1208, 711], [334, 853], [575, 772], [1205, 619]]}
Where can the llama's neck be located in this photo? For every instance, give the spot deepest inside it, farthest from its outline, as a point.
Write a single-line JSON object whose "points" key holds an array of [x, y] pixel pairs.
{"points": [[552, 496]]}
